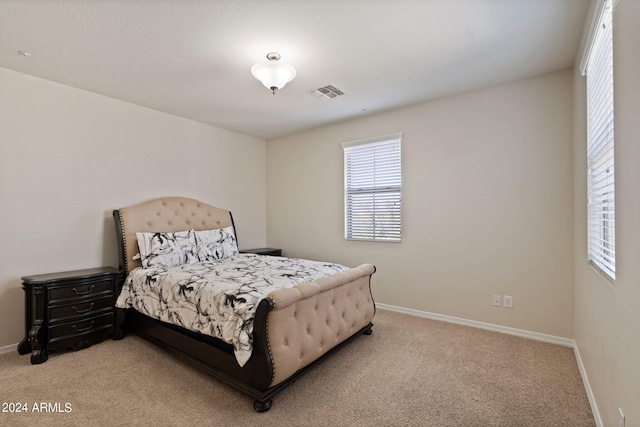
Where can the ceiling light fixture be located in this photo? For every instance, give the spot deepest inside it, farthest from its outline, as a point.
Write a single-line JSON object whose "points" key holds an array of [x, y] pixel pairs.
{"points": [[272, 73]]}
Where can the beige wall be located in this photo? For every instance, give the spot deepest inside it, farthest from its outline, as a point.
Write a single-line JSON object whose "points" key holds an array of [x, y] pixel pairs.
{"points": [[607, 315], [487, 204], [69, 157]]}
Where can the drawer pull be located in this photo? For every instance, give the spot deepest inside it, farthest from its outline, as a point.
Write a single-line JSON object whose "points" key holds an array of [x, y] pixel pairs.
{"points": [[83, 311], [83, 329], [77, 292]]}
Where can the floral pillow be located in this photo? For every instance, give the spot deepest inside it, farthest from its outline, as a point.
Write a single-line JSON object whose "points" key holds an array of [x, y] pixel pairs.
{"points": [[216, 244], [167, 249]]}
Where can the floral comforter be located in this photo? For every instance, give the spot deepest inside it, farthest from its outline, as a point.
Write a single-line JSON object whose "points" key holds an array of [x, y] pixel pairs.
{"points": [[217, 298]]}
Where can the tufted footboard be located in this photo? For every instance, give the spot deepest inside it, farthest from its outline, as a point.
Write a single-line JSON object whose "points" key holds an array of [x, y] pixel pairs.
{"points": [[312, 318]]}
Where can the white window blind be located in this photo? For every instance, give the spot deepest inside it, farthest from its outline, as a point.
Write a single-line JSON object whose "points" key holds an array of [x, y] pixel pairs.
{"points": [[373, 184], [601, 212]]}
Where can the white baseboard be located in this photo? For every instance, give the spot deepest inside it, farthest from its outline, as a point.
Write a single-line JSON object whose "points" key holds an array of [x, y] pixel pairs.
{"points": [[566, 342], [8, 348], [587, 387]]}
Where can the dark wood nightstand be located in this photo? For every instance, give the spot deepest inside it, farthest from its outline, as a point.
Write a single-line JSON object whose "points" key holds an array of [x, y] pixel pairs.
{"points": [[263, 251], [68, 310]]}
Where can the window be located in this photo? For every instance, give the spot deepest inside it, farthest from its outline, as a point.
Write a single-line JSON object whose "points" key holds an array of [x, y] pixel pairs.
{"points": [[601, 212], [372, 186]]}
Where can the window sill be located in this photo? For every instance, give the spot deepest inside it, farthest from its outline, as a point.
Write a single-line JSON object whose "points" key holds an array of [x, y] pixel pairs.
{"points": [[604, 276]]}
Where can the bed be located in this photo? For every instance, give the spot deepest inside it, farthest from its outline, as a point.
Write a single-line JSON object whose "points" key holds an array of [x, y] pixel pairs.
{"points": [[292, 328]]}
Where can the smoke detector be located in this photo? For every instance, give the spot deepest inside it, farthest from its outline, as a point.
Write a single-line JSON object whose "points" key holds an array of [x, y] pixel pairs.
{"points": [[326, 93]]}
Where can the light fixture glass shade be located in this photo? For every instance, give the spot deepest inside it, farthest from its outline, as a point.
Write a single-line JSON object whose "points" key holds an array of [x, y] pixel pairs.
{"points": [[273, 74]]}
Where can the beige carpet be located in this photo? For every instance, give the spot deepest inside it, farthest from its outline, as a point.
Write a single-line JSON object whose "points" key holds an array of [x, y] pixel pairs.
{"points": [[410, 371]]}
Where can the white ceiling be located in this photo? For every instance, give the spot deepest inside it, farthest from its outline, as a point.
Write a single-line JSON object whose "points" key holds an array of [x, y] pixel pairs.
{"points": [[192, 58]]}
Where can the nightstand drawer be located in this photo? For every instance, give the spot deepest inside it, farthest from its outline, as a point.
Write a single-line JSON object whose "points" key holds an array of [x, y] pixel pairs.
{"points": [[81, 290], [81, 326], [80, 309]]}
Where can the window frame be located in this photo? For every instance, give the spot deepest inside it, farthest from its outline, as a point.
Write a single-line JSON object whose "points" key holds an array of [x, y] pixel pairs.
{"points": [[390, 174], [598, 60]]}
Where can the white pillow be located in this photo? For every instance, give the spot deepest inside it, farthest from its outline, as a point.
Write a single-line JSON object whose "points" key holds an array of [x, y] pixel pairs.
{"points": [[216, 244], [167, 249]]}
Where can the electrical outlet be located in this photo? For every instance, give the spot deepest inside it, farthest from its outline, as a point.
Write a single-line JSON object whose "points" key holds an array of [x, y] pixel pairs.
{"points": [[621, 418], [508, 301], [497, 300]]}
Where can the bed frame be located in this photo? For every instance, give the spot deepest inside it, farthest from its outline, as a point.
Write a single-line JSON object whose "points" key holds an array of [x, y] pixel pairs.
{"points": [[294, 329]]}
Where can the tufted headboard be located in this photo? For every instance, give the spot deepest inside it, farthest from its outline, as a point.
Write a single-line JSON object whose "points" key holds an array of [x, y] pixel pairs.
{"points": [[166, 214]]}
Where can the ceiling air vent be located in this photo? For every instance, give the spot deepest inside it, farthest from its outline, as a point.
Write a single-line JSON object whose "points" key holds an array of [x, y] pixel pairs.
{"points": [[326, 93]]}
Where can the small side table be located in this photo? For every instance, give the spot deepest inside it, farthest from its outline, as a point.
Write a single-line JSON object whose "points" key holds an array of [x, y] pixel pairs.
{"points": [[263, 251], [68, 310]]}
